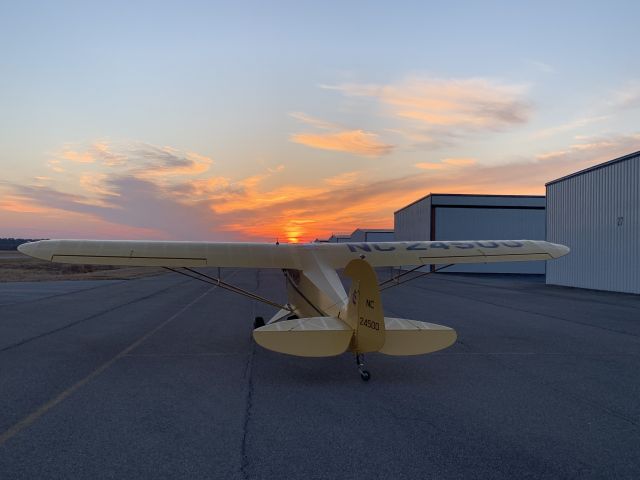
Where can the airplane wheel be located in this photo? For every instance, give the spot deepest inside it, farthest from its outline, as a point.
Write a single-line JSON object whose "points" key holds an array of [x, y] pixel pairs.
{"points": [[258, 322], [365, 375]]}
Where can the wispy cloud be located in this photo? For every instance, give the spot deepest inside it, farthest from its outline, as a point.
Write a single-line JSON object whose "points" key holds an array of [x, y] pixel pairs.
{"points": [[79, 157], [314, 122], [118, 201], [626, 97], [447, 163], [54, 165], [602, 111], [346, 178], [338, 138], [357, 142], [570, 126], [464, 105]]}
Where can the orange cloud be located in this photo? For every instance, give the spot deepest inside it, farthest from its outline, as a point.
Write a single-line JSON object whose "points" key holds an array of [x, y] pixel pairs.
{"points": [[342, 179], [54, 165], [78, 157], [108, 157], [430, 166], [14, 203], [166, 162], [357, 142], [252, 198], [247, 208], [193, 168], [466, 104], [446, 163], [335, 208], [460, 162], [57, 223], [340, 139]]}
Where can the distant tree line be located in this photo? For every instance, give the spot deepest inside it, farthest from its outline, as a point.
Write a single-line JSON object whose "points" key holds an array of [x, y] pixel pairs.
{"points": [[12, 243]]}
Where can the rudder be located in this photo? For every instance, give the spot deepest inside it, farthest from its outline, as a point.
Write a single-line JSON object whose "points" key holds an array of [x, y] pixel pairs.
{"points": [[364, 311]]}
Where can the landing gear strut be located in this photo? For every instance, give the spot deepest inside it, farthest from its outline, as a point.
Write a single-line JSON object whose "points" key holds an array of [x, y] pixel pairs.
{"points": [[364, 374], [258, 322]]}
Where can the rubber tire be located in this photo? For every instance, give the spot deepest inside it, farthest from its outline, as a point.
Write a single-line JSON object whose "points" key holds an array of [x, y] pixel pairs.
{"points": [[365, 375], [258, 322]]}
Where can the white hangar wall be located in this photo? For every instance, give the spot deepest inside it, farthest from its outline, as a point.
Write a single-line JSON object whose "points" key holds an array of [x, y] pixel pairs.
{"points": [[475, 217], [596, 213]]}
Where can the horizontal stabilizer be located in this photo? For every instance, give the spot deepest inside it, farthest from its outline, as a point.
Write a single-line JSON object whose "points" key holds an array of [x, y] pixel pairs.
{"points": [[411, 337], [306, 337]]}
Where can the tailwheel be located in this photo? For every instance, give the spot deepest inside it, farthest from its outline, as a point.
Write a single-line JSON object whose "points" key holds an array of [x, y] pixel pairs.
{"points": [[364, 374], [258, 322]]}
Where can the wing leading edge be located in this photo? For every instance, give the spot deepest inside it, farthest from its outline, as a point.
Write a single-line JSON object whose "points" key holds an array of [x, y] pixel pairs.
{"points": [[288, 256]]}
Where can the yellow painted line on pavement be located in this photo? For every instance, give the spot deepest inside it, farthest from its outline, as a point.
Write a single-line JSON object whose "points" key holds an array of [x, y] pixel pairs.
{"points": [[35, 415]]}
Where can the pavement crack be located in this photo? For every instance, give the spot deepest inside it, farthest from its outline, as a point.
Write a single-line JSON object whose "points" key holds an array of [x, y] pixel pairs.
{"points": [[248, 374], [247, 413], [48, 297], [90, 317], [43, 409]]}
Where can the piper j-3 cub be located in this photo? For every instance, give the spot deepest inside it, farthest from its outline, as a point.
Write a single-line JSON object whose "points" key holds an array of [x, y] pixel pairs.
{"points": [[320, 319]]}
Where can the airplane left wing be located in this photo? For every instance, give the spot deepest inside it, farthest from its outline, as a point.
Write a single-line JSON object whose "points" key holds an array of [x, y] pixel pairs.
{"points": [[288, 256], [165, 253]]}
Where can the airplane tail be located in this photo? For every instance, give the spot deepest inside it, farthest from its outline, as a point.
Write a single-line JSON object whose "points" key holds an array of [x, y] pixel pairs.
{"points": [[376, 333], [364, 311], [306, 337], [361, 327]]}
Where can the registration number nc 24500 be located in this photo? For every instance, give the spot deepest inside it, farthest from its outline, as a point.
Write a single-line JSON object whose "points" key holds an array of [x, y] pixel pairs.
{"points": [[369, 323]]}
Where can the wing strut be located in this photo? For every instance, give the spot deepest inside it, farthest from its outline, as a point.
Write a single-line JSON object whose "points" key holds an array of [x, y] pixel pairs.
{"points": [[397, 281], [203, 277]]}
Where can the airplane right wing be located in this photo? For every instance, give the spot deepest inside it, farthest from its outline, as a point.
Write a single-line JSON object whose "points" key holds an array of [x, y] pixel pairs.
{"points": [[288, 256], [392, 254]]}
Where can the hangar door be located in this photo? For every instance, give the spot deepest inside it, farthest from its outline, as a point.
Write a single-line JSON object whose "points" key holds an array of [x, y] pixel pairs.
{"points": [[490, 223]]}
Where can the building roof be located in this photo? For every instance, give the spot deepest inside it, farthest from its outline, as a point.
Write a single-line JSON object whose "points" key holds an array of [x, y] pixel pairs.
{"points": [[465, 195], [373, 230], [595, 167]]}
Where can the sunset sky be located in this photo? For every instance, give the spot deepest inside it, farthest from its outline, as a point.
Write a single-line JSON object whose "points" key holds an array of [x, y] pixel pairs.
{"points": [[294, 120]]}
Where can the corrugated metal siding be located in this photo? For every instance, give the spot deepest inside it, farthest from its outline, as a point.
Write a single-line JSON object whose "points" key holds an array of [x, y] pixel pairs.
{"points": [[583, 213], [491, 223], [357, 236], [374, 235], [380, 236], [413, 222]]}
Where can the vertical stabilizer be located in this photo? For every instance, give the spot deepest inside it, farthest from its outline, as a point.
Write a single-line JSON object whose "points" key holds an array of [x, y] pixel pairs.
{"points": [[364, 311]]}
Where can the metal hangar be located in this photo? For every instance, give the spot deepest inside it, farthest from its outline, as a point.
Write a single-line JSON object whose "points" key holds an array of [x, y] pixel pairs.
{"points": [[596, 213], [465, 217]]}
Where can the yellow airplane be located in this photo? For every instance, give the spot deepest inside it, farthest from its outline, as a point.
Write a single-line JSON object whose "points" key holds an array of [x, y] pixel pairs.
{"points": [[320, 319]]}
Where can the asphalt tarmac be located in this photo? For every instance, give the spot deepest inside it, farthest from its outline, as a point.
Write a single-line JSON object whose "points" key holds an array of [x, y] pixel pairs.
{"points": [[158, 378]]}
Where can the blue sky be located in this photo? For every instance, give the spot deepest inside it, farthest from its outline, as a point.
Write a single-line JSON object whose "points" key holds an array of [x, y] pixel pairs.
{"points": [[328, 98]]}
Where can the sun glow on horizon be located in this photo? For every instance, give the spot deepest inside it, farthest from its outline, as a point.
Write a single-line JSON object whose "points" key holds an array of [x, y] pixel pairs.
{"points": [[183, 199], [214, 122]]}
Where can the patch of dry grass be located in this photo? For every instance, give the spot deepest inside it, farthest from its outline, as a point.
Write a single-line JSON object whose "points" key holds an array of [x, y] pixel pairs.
{"points": [[16, 267]]}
